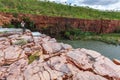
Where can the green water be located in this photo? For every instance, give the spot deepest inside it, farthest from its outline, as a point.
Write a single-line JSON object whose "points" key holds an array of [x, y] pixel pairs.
{"points": [[107, 50]]}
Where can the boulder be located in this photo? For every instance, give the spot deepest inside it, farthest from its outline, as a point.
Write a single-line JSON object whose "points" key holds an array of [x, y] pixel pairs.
{"points": [[27, 38], [87, 76], [66, 46], [11, 54], [15, 70], [3, 73], [51, 47], [90, 60], [116, 61], [4, 43]]}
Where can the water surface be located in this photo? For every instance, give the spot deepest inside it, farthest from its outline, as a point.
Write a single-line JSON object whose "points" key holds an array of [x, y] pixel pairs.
{"points": [[107, 50]]}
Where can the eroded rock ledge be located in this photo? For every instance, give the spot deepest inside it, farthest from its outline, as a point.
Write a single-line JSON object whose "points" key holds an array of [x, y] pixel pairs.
{"points": [[26, 57]]}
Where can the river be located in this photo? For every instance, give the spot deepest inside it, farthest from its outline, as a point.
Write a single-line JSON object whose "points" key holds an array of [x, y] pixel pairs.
{"points": [[108, 50]]}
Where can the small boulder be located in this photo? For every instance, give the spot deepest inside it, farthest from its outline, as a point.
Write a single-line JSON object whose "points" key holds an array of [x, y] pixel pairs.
{"points": [[51, 47], [11, 54], [116, 61]]}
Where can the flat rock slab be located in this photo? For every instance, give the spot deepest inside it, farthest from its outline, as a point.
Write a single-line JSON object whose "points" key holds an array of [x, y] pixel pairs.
{"points": [[10, 30], [51, 60]]}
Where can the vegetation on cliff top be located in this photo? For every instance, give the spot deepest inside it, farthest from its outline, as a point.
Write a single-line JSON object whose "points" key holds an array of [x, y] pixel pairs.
{"points": [[55, 9]]}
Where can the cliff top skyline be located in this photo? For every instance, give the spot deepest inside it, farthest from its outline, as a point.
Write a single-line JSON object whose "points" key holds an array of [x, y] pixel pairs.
{"points": [[96, 4]]}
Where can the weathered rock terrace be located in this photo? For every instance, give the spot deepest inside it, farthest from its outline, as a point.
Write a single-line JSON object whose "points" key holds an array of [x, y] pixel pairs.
{"points": [[55, 61]]}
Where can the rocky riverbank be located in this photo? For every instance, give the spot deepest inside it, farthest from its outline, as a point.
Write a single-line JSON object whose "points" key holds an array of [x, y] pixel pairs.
{"points": [[28, 57]]}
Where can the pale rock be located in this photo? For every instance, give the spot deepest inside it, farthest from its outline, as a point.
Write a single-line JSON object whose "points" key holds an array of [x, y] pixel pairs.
{"points": [[15, 71], [15, 36], [80, 59], [106, 67], [47, 49], [87, 76], [2, 57], [46, 75], [51, 47], [28, 45], [52, 40], [36, 48], [38, 41], [116, 61], [4, 43], [13, 53], [66, 46], [27, 38], [59, 64], [28, 51], [3, 39], [92, 53], [46, 39], [3, 71]]}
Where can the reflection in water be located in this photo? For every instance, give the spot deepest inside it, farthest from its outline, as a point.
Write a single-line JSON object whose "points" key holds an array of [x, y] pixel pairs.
{"points": [[107, 50]]}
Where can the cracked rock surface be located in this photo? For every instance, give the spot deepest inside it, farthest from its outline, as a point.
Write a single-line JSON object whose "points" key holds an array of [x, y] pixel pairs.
{"points": [[27, 57]]}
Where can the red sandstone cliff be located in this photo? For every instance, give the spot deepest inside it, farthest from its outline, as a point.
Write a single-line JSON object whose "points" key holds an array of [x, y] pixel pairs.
{"points": [[99, 26]]}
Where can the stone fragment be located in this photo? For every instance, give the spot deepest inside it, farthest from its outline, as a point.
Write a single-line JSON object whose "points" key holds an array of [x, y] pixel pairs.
{"points": [[116, 61]]}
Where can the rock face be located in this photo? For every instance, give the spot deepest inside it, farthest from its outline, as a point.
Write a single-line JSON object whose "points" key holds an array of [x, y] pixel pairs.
{"points": [[59, 23], [26, 57], [5, 18]]}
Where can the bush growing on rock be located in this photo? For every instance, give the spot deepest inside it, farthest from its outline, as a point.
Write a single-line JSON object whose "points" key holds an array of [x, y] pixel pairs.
{"points": [[8, 25], [20, 42], [33, 57]]}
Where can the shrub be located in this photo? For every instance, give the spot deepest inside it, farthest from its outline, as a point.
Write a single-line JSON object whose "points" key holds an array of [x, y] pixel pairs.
{"points": [[117, 30], [16, 23], [20, 42], [33, 57], [8, 25], [67, 34], [11, 26], [15, 15]]}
